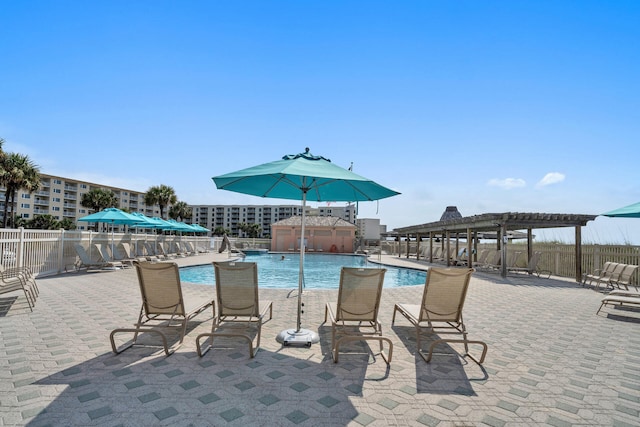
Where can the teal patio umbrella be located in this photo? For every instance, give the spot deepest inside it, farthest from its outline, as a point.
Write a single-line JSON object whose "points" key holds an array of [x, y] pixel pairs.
{"points": [[145, 222], [302, 177], [631, 211], [111, 216]]}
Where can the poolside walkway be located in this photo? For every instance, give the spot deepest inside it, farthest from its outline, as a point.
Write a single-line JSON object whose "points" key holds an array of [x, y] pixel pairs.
{"points": [[551, 361]]}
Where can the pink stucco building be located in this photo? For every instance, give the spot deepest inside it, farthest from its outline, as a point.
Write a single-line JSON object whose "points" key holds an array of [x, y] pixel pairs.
{"points": [[322, 234]]}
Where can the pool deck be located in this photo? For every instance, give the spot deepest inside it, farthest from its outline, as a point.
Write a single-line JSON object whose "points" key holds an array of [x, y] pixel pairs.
{"points": [[551, 361]]}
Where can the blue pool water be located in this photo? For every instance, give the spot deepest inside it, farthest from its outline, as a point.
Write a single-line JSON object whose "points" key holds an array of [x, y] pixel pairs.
{"points": [[321, 271]]}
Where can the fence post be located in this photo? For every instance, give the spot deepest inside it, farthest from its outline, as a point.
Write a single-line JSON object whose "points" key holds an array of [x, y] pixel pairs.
{"points": [[20, 254], [61, 251]]}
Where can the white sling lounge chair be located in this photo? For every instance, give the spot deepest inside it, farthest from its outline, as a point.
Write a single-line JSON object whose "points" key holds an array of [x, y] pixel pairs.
{"points": [[355, 316], [163, 305], [239, 308], [440, 312]]}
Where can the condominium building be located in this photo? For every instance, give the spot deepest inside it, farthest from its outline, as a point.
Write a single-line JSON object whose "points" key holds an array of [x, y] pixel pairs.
{"points": [[60, 197], [231, 216], [369, 230]]}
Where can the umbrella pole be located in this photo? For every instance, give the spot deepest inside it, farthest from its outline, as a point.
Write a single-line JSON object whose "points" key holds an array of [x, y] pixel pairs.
{"points": [[301, 270], [299, 336]]}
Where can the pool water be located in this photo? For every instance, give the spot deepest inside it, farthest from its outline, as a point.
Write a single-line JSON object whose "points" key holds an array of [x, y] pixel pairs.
{"points": [[321, 271]]}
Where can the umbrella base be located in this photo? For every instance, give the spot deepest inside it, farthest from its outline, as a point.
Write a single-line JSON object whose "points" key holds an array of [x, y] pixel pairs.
{"points": [[301, 337]]}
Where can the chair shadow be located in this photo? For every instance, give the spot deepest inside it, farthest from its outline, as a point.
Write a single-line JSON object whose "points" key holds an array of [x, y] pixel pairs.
{"points": [[448, 372], [14, 305], [632, 314], [148, 343], [355, 355]]}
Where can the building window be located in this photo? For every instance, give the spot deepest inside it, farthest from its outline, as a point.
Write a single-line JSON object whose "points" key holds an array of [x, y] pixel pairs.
{"points": [[55, 208], [57, 190], [56, 199], [25, 205], [57, 181]]}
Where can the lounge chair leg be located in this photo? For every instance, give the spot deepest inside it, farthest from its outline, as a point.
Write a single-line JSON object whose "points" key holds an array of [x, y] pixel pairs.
{"points": [[168, 351], [465, 342], [335, 350], [201, 351]]}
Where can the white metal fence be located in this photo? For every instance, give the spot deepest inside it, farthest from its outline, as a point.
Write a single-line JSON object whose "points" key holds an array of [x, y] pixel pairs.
{"points": [[49, 252], [558, 258]]}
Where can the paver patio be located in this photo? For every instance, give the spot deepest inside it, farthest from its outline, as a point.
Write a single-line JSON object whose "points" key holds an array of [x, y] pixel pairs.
{"points": [[551, 361]]}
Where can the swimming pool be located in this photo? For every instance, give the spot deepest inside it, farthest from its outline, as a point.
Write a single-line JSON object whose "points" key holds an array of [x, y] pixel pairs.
{"points": [[321, 271]]}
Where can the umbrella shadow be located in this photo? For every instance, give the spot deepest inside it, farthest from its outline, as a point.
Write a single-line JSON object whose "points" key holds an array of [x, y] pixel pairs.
{"points": [[224, 387], [449, 372]]}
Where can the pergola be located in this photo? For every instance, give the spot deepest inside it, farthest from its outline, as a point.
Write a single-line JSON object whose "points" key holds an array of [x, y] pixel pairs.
{"points": [[501, 224]]}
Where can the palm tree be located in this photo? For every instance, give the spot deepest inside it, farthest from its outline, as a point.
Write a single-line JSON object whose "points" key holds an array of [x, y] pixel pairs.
{"points": [[17, 172], [98, 199], [220, 231], [162, 195], [180, 210], [43, 222]]}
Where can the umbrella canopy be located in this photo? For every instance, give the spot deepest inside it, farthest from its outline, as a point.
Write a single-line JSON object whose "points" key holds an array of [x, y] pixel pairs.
{"points": [[144, 221], [631, 211], [180, 226], [111, 216], [302, 177], [198, 228], [162, 224]]}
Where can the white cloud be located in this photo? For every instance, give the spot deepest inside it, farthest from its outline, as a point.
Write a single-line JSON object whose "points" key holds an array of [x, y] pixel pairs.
{"points": [[550, 178], [507, 183]]}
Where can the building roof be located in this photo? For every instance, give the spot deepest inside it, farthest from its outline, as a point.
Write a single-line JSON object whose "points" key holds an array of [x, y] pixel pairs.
{"points": [[494, 221], [314, 221]]}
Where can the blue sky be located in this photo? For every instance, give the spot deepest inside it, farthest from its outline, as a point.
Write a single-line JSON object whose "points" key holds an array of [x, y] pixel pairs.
{"points": [[491, 106]]}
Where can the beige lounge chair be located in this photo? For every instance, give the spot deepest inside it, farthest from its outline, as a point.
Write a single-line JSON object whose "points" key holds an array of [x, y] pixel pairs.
{"points": [[513, 258], [105, 255], [239, 308], [191, 249], [440, 312], [605, 271], [620, 300], [461, 257], [436, 253], [625, 278], [532, 267], [163, 305], [609, 277], [357, 309], [12, 280], [85, 261], [482, 258], [123, 254], [154, 252], [492, 261], [25, 273], [125, 247]]}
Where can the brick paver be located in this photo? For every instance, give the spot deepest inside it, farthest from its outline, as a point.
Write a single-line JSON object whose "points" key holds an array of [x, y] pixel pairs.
{"points": [[551, 361]]}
